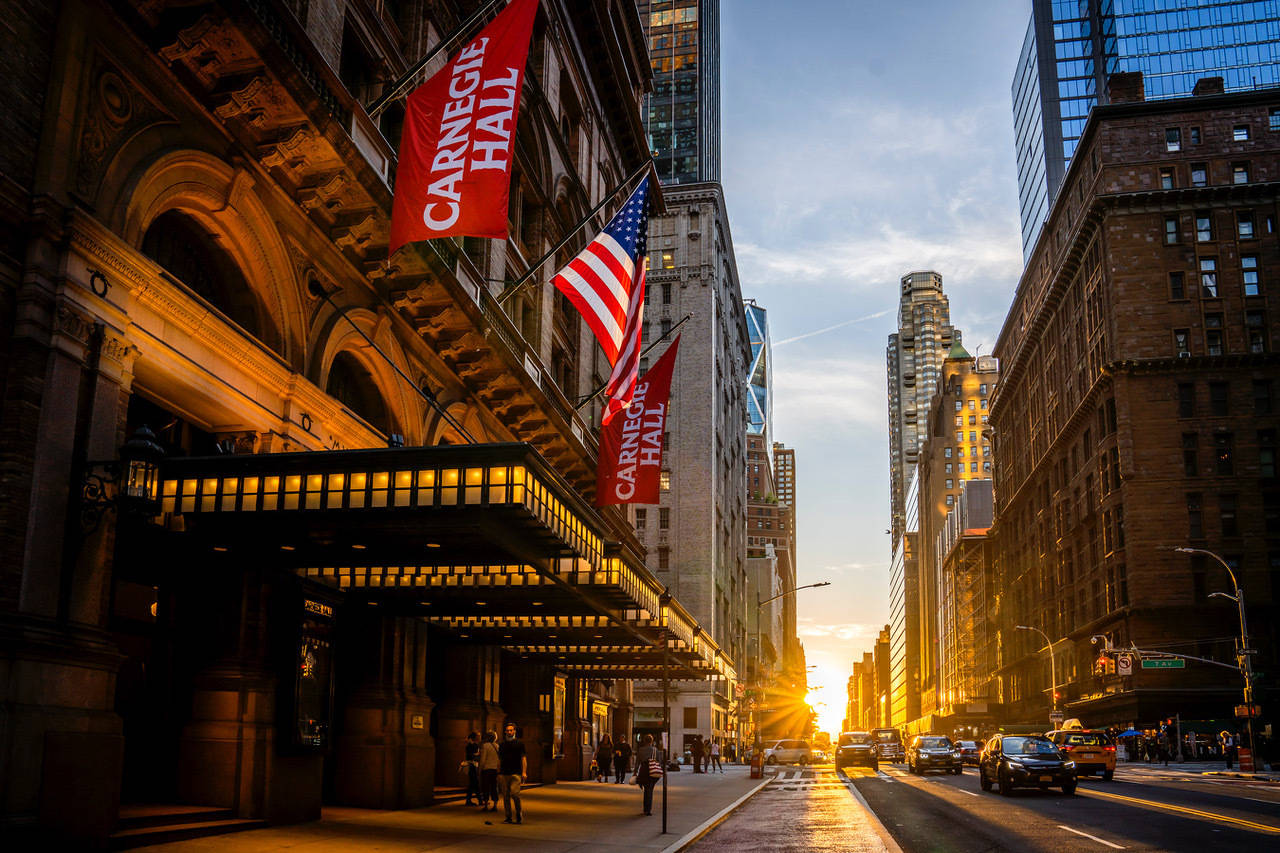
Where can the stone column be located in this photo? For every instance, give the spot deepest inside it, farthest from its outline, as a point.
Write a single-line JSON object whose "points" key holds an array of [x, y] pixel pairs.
{"points": [[385, 754]]}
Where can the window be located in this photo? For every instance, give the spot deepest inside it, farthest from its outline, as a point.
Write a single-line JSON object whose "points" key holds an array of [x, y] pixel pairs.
{"points": [[1239, 173], [986, 466], [664, 518], [1240, 133], [1209, 277], [1255, 330], [946, 469], [1227, 515], [1173, 139], [691, 717], [1195, 517], [1273, 119], [1223, 450], [1249, 274], [1182, 342], [973, 436], [959, 420], [1262, 396], [1171, 229], [950, 484], [946, 452], [664, 481], [986, 450], [972, 403], [666, 293], [951, 500], [973, 467], [1199, 175], [1204, 226], [959, 436], [959, 404], [982, 389], [1195, 136], [1213, 334], [1185, 400], [668, 260], [1267, 457], [960, 452], [982, 404], [1166, 179], [642, 518], [1244, 225], [1218, 392], [1177, 289], [1190, 454], [664, 557]]}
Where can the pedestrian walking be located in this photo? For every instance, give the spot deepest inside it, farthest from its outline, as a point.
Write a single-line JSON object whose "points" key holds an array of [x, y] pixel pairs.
{"points": [[472, 762], [621, 759], [1229, 748], [604, 758], [513, 769], [696, 750], [1164, 748], [489, 764], [648, 770], [715, 757], [731, 754]]}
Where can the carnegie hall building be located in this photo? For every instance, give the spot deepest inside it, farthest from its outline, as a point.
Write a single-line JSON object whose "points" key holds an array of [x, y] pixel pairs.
{"points": [[283, 517]]}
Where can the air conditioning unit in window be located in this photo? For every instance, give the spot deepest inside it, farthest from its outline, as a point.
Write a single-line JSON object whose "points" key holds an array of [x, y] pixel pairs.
{"points": [[1184, 354]]}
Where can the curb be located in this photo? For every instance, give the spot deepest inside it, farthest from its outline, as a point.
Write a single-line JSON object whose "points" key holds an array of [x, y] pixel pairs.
{"points": [[689, 838], [1251, 776], [890, 845]]}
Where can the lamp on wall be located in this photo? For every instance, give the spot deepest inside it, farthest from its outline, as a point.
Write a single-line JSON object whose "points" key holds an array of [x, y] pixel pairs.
{"points": [[130, 484]]}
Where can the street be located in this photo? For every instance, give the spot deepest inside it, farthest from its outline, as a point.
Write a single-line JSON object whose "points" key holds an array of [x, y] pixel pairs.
{"points": [[1146, 807]]}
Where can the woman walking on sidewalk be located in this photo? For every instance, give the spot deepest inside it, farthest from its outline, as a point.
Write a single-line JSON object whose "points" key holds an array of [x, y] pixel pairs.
{"points": [[715, 758], [604, 759], [646, 760], [489, 772]]}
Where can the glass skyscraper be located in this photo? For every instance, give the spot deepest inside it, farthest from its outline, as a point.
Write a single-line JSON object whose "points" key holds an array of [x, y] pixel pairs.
{"points": [[1073, 46], [759, 374], [682, 114]]}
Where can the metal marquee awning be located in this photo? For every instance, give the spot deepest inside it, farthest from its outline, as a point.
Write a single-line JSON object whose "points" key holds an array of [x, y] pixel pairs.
{"points": [[486, 541]]}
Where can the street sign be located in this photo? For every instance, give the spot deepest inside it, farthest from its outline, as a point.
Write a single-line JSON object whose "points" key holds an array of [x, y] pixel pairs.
{"points": [[1124, 665], [1056, 718], [1251, 710], [1164, 663], [1248, 651]]}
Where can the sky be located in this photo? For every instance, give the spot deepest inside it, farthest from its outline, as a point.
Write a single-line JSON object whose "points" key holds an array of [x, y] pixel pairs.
{"points": [[862, 140]]}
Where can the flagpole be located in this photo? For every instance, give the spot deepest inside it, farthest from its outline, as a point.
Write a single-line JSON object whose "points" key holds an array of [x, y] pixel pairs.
{"points": [[406, 79], [643, 353], [511, 289]]}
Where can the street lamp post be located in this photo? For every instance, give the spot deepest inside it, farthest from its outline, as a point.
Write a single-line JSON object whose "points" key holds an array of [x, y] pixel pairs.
{"points": [[755, 714], [1053, 666], [1243, 658]]}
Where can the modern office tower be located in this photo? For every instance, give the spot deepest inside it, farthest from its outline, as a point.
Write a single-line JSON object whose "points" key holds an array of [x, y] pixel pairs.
{"points": [[682, 114], [697, 536], [1072, 46], [784, 482], [914, 359], [904, 619], [759, 373], [957, 450], [1138, 412]]}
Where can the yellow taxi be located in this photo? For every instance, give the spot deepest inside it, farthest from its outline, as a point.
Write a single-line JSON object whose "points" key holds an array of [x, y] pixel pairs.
{"points": [[1092, 750]]}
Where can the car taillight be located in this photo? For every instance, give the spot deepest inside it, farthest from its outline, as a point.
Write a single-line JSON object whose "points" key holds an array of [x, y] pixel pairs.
{"points": [[1111, 748]]}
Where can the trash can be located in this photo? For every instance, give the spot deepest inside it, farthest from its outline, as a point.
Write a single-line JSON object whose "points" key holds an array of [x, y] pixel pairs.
{"points": [[757, 765]]}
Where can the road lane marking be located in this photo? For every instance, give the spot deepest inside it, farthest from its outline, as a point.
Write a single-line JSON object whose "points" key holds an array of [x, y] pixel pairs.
{"points": [[970, 793], [1247, 824], [1091, 837]]}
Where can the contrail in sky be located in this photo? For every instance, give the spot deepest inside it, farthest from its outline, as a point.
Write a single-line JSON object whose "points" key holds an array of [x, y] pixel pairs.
{"points": [[832, 328]]}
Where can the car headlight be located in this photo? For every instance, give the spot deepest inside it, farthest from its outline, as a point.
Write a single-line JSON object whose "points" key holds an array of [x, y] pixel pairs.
{"points": [[1070, 765]]}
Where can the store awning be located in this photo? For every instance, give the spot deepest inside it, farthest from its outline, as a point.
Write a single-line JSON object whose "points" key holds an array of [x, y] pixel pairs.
{"points": [[486, 541]]}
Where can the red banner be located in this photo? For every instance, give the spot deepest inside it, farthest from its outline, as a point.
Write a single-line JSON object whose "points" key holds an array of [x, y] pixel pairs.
{"points": [[631, 445], [454, 174]]}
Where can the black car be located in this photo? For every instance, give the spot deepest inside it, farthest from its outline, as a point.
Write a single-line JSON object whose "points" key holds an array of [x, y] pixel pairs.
{"points": [[933, 752], [969, 750], [1027, 760], [856, 748]]}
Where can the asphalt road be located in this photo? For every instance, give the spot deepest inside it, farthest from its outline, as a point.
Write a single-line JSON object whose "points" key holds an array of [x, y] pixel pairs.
{"points": [[1143, 808]]}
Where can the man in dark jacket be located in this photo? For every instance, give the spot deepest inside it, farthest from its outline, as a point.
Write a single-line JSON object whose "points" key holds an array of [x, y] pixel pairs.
{"points": [[696, 750], [621, 758], [513, 770]]}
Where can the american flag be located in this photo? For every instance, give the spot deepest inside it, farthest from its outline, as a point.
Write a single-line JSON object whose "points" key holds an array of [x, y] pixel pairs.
{"points": [[603, 280]]}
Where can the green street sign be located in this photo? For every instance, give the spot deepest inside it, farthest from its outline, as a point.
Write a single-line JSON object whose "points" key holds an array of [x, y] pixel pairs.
{"points": [[1164, 663]]}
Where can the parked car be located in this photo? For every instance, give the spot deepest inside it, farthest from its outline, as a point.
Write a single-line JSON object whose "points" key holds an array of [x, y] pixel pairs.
{"points": [[789, 752], [933, 752], [888, 744], [1093, 751], [1025, 760], [855, 748], [969, 751]]}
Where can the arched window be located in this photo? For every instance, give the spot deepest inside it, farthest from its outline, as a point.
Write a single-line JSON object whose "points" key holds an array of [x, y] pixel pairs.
{"points": [[191, 255], [353, 384]]}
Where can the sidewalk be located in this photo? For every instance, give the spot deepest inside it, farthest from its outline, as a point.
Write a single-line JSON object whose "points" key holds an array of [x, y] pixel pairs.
{"points": [[1202, 768], [565, 816]]}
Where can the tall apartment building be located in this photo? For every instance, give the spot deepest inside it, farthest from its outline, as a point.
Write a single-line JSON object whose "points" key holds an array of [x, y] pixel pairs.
{"points": [[308, 579], [904, 616], [701, 553], [682, 114], [1072, 46], [914, 361], [957, 450], [1137, 409], [784, 481]]}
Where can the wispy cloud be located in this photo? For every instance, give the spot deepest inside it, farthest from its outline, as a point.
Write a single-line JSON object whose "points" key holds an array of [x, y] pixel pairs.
{"points": [[832, 328]]}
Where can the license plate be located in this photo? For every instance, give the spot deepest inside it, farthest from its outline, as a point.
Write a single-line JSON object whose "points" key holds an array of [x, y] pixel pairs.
{"points": [[1088, 755], [1046, 778]]}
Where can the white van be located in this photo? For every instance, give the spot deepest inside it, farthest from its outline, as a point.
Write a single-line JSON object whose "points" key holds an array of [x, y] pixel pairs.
{"points": [[789, 752]]}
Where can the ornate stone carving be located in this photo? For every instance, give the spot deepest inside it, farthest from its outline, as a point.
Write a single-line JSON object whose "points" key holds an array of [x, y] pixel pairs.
{"points": [[355, 232], [211, 48], [73, 324], [115, 110], [117, 349], [297, 152], [323, 195], [260, 104]]}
